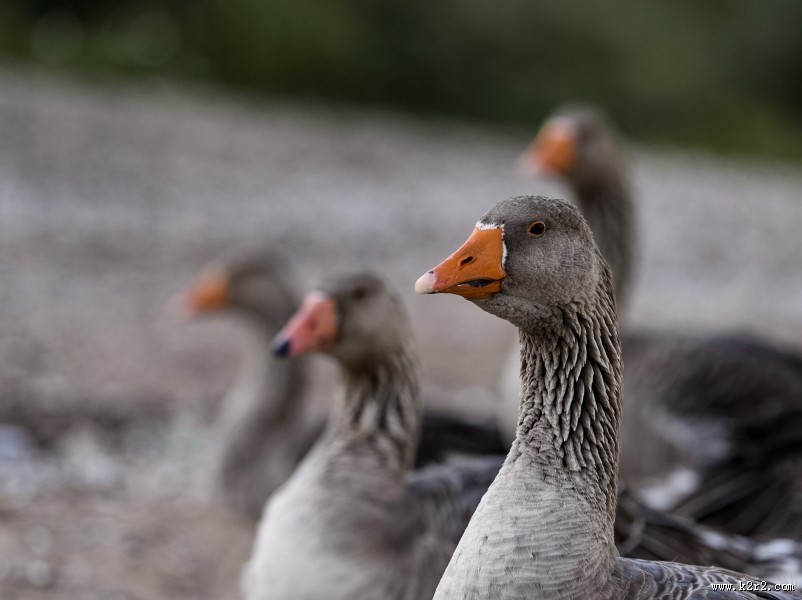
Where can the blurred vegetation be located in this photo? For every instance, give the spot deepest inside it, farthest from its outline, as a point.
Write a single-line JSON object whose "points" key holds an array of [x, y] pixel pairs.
{"points": [[722, 74]]}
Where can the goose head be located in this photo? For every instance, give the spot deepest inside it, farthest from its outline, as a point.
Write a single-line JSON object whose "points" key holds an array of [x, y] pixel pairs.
{"points": [[357, 319], [527, 259], [249, 285], [576, 143]]}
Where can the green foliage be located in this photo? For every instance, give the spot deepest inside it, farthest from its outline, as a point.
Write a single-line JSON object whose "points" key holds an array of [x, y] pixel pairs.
{"points": [[724, 74], [14, 30]]}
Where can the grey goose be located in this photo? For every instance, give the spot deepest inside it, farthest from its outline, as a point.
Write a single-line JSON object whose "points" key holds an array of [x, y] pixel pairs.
{"points": [[355, 521], [545, 527]]}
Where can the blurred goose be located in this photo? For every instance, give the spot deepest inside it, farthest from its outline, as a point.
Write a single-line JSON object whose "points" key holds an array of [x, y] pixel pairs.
{"points": [[266, 424], [266, 428], [726, 409], [353, 522], [545, 527]]}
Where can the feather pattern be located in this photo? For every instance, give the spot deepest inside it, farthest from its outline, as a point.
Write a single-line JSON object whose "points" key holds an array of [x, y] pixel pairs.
{"points": [[634, 578], [644, 533]]}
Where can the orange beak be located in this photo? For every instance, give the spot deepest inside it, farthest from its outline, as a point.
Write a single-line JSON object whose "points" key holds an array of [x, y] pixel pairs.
{"points": [[312, 329], [209, 292], [474, 271], [553, 151]]}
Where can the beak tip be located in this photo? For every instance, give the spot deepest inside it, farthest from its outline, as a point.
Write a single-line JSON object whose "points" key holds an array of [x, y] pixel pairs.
{"points": [[282, 347], [425, 283]]}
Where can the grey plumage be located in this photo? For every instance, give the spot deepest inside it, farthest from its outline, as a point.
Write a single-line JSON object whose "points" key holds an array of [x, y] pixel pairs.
{"points": [[670, 581], [545, 527], [353, 522]]}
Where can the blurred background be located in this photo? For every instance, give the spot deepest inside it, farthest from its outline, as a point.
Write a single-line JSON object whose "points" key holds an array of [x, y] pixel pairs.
{"points": [[140, 140], [723, 75]]}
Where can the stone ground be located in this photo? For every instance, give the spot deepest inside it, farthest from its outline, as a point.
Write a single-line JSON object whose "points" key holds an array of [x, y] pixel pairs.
{"points": [[112, 198]]}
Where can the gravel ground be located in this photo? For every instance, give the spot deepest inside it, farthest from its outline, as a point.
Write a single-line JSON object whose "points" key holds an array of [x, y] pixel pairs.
{"points": [[110, 201]]}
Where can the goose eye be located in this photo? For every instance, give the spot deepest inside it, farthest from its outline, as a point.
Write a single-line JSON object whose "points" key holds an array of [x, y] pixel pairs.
{"points": [[359, 293], [537, 228]]}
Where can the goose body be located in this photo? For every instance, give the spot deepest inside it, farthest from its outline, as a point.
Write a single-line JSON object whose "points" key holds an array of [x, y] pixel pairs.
{"points": [[354, 521], [266, 425], [545, 527], [696, 405], [360, 546]]}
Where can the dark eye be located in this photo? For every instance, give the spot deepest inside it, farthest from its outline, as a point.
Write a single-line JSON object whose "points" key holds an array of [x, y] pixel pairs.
{"points": [[359, 293], [537, 228]]}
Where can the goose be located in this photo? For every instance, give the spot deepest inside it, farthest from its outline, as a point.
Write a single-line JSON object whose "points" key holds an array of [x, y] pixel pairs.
{"points": [[353, 521], [266, 427], [544, 529], [722, 410]]}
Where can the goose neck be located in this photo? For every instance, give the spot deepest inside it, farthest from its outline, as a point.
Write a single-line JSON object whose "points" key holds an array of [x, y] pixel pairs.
{"points": [[570, 403], [379, 413], [266, 391]]}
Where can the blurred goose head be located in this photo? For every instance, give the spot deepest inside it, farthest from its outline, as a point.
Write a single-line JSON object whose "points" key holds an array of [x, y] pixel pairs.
{"points": [[576, 143], [357, 319], [250, 285]]}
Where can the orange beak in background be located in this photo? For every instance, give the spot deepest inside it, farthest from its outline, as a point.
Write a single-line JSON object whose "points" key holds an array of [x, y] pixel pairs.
{"points": [[209, 292], [312, 329], [474, 271], [553, 151]]}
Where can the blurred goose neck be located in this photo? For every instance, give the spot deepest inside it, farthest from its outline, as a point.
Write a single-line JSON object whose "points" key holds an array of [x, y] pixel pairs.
{"points": [[378, 416], [266, 390], [606, 203], [264, 426]]}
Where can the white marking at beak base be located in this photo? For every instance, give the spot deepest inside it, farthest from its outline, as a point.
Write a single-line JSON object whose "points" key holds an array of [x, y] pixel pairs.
{"points": [[484, 227]]}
